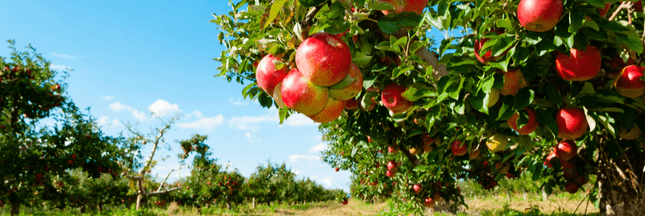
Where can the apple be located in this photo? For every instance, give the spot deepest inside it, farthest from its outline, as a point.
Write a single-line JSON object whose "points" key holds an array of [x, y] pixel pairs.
{"points": [[351, 104], [581, 180], [427, 139], [570, 171], [415, 150], [333, 109], [70, 162], [458, 149], [344, 201], [632, 134], [267, 75], [488, 56], [530, 126], [513, 81], [369, 139], [566, 149], [377, 165], [571, 187], [324, 58], [392, 165], [429, 202], [390, 173], [616, 65], [393, 149], [55, 87], [493, 97], [415, 6], [502, 167], [73, 156], [581, 65], [630, 84], [427, 147], [539, 15], [349, 87], [550, 157], [417, 188], [392, 99], [497, 142], [572, 123], [337, 169], [299, 94], [474, 152], [603, 12]]}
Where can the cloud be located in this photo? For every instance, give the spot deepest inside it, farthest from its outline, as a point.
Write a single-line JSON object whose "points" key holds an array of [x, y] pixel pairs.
{"points": [[105, 121], [239, 102], [118, 106], [196, 114], [318, 148], [107, 97], [163, 108], [251, 137], [64, 56], [58, 67], [248, 122], [297, 172], [204, 123], [299, 120], [294, 158], [327, 181]]}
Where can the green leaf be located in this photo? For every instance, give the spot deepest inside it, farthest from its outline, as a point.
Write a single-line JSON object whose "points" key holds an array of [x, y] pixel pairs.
{"points": [[504, 23], [420, 168], [507, 109], [283, 112], [311, 3], [380, 5], [479, 102], [401, 41], [605, 122], [401, 70], [590, 120], [361, 59], [547, 118], [588, 89], [414, 94], [526, 143], [275, 9], [554, 95], [416, 45], [454, 91], [607, 109], [394, 21], [576, 20], [523, 98]]}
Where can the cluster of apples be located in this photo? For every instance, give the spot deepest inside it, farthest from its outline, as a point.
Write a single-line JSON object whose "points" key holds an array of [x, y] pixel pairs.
{"points": [[565, 151], [324, 78]]}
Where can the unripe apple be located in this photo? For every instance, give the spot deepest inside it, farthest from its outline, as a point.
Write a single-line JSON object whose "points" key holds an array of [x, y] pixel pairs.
{"points": [[417, 188], [513, 81], [581, 65], [571, 187], [632, 134], [566, 149], [267, 75], [333, 109], [550, 157], [324, 58], [351, 104], [530, 126], [458, 149], [493, 97], [630, 84], [415, 6], [392, 99], [572, 123], [349, 87], [539, 15], [393, 149], [488, 56], [301, 95], [497, 142]]}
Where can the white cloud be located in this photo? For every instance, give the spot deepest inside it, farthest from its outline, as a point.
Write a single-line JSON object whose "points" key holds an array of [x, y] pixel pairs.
{"points": [[251, 137], [294, 158], [105, 121], [64, 56], [327, 181], [248, 122], [318, 148], [239, 102], [118, 106], [107, 97], [299, 120], [297, 172], [163, 108], [58, 67], [139, 115], [196, 114], [203, 123]]}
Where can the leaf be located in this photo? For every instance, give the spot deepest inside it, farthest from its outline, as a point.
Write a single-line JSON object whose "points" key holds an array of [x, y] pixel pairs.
{"points": [[605, 122], [420, 168], [507, 109], [283, 114], [523, 98], [590, 120], [414, 94], [454, 91], [487, 84], [587, 89], [394, 21], [554, 95], [576, 20], [401, 70], [607, 109], [361, 59], [275, 9], [479, 102], [526, 143], [504, 23], [547, 118], [311, 3], [416, 45]]}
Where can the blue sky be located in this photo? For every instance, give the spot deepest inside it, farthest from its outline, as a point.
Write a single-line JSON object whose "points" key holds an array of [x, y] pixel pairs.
{"points": [[133, 57]]}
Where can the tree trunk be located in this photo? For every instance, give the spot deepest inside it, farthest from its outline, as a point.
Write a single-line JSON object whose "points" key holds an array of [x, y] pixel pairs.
{"points": [[139, 200], [83, 209], [99, 207], [253, 202], [619, 183], [15, 207]]}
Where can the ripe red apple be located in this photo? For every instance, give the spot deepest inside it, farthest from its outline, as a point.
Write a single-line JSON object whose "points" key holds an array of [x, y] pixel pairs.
{"points": [[70, 162], [324, 58], [571, 187], [550, 157], [390, 173], [458, 149], [603, 12], [638, 6], [572, 123], [393, 149], [539, 15], [333, 109], [337, 169], [392, 165], [73, 157], [582, 65], [570, 170], [566, 149], [427, 139], [417, 188], [429, 202], [392, 99], [530, 126], [344, 201], [55, 87], [267, 75], [377, 165], [415, 6], [369, 139], [349, 87], [630, 84], [299, 94], [488, 56], [351, 104], [513, 81]]}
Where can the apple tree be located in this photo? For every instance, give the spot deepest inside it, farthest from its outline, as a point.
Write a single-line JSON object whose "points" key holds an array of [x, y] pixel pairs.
{"points": [[550, 87]]}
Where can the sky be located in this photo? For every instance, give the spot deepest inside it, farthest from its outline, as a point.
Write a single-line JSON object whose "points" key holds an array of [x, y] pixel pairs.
{"points": [[133, 57]]}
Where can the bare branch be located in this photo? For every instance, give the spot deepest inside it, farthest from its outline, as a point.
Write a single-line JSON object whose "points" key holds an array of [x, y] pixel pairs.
{"points": [[163, 192], [308, 21], [432, 58], [164, 180], [132, 177], [152, 154], [413, 159], [624, 5]]}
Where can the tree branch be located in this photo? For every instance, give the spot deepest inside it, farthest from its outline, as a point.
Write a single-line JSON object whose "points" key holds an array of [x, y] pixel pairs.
{"points": [[413, 159], [163, 192], [164, 180], [306, 23], [132, 177], [624, 5], [152, 154], [432, 58]]}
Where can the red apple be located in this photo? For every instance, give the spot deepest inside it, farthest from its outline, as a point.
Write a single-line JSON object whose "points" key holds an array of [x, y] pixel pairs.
{"points": [[390, 173], [369, 139], [299, 94], [351, 104], [550, 157], [349, 87], [333, 109], [571, 187], [417, 188], [582, 180], [429, 202], [572, 123], [581, 65], [377, 165], [539, 15], [566, 149], [392, 165], [427, 139], [530, 126], [630, 84], [488, 56], [73, 157], [345, 202], [617, 64], [324, 58], [513, 81], [415, 6], [337, 169], [393, 149], [570, 171], [392, 99], [267, 75], [458, 149]]}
